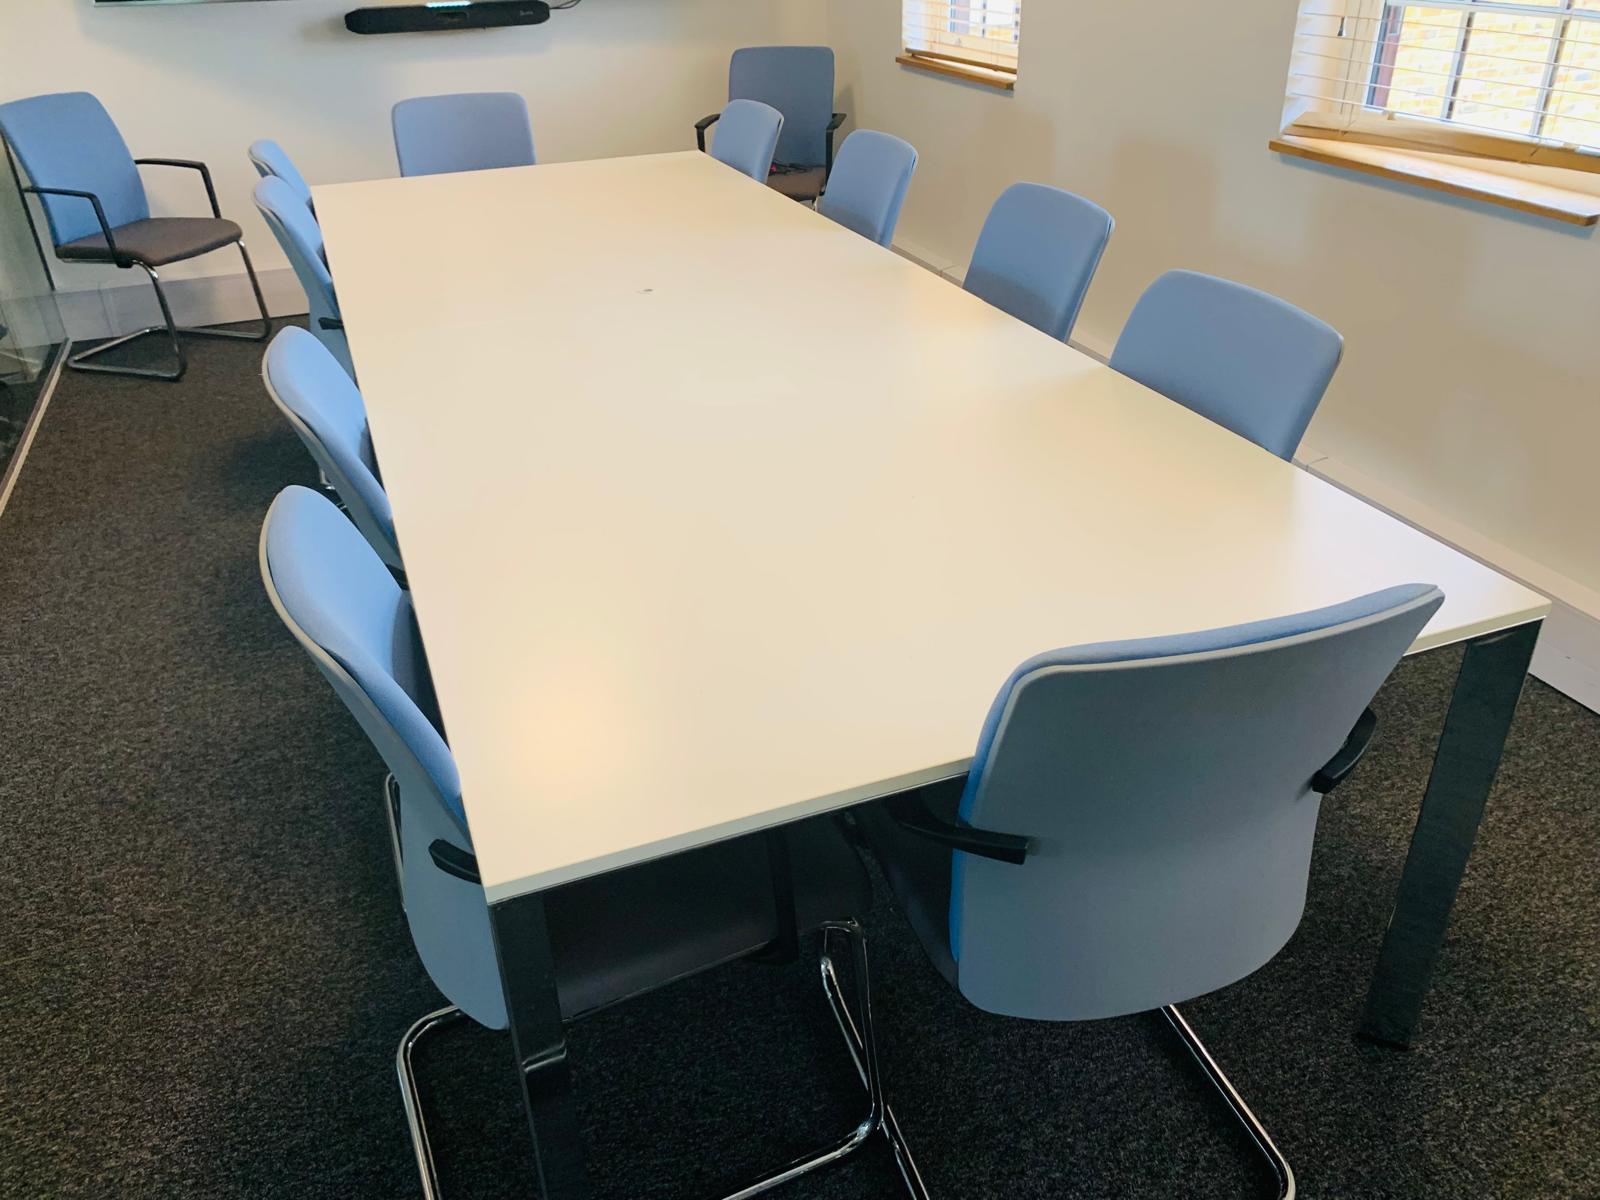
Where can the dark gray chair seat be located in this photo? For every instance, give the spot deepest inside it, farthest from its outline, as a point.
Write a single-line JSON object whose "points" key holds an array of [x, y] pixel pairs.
{"points": [[156, 241], [803, 184], [620, 935]]}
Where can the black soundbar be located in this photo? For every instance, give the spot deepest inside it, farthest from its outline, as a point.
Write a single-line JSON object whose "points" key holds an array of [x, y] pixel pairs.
{"points": [[452, 14]]}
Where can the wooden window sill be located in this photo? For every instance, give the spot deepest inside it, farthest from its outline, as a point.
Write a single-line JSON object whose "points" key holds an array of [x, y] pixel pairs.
{"points": [[1005, 81], [1443, 175]]}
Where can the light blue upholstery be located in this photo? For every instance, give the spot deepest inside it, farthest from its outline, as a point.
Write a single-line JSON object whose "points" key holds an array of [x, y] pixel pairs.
{"points": [[358, 626], [798, 82], [269, 158], [316, 394], [868, 184], [1167, 786], [1247, 360], [747, 136], [68, 140], [469, 131], [1037, 254], [300, 236]]}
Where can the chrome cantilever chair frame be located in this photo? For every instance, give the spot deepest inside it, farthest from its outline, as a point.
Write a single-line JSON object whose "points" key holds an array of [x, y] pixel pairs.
{"points": [[81, 360], [860, 1040]]}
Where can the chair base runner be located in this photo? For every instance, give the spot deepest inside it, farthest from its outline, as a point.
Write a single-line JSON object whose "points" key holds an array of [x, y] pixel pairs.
{"points": [[860, 1040], [80, 361], [1235, 1102]]}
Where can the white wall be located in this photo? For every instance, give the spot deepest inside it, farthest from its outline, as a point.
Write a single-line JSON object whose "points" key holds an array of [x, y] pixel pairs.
{"points": [[1471, 380], [203, 81]]}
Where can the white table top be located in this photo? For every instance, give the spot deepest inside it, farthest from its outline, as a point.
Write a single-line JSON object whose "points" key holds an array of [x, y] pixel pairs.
{"points": [[717, 515]]}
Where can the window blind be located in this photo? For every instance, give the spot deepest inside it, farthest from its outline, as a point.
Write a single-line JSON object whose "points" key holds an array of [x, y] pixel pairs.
{"points": [[979, 33], [1528, 70]]}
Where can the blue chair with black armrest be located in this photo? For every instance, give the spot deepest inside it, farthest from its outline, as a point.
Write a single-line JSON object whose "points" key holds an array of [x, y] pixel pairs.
{"points": [[869, 183], [1158, 800], [747, 136], [300, 237], [312, 389], [96, 209], [269, 159], [798, 82], [1243, 358], [613, 937], [1037, 255], [465, 131]]}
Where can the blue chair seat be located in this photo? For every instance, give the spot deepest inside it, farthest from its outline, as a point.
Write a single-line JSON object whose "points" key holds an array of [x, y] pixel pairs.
{"points": [[156, 241]]}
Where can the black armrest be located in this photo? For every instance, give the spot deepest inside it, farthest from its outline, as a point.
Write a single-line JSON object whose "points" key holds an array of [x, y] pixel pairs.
{"points": [[454, 861], [912, 814], [99, 212], [833, 128], [329, 323], [703, 124], [192, 165], [1338, 768]]}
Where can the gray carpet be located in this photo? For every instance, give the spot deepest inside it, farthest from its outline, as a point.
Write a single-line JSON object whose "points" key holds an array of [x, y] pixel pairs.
{"points": [[204, 971]]}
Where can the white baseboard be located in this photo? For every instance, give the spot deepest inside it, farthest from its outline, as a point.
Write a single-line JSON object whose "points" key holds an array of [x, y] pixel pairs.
{"points": [[118, 308], [1568, 654]]}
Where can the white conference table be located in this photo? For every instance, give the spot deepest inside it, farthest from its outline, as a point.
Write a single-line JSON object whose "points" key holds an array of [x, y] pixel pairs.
{"points": [[717, 516]]}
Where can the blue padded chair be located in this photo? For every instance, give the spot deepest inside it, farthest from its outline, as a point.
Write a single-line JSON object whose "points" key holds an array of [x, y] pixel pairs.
{"points": [[1037, 254], [798, 82], [300, 236], [747, 136], [468, 131], [702, 908], [1159, 799], [268, 158], [312, 389], [1247, 360], [869, 184], [96, 210]]}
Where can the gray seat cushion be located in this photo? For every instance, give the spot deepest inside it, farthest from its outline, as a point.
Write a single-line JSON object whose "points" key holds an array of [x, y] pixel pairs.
{"points": [[918, 869], [803, 184], [635, 930], [156, 241]]}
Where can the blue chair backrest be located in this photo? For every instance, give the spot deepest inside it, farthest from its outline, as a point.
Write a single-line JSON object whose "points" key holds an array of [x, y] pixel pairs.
{"points": [[469, 131], [1249, 361], [269, 158], [68, 140], [300, 237], [315, 393], [746, 137], [868, 184], [1167, 783], [358, 626], [1037, 253], [798, 82]]}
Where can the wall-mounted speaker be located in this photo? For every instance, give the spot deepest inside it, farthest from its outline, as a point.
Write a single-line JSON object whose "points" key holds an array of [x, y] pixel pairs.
{"points": [[448, 14]]}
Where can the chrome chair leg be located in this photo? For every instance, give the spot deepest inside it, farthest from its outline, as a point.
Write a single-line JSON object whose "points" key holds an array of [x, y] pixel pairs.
{"points": [[80, 361], [413, 1097], [866, 1064], [391, 809], [1241, 1110], [852, 1037]]}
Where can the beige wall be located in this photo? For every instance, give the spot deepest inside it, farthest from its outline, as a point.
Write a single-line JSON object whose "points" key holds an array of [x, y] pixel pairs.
{"points": [[1471, 378], [203, 81]]}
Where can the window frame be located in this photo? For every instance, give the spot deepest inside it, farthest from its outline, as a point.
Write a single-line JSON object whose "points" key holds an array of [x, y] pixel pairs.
{"points": [[956, 56]]}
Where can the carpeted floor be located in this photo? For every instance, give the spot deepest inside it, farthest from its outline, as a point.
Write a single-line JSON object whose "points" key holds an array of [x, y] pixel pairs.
{"points": [[204, 970]]}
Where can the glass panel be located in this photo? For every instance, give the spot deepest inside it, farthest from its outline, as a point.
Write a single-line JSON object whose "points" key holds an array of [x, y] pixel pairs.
{"points": [[1503, 70], [1575, 89], [1413, 67]]}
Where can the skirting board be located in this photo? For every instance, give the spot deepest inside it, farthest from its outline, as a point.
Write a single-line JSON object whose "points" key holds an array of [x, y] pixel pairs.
{"points": [[118, 308], [1568, 655]]}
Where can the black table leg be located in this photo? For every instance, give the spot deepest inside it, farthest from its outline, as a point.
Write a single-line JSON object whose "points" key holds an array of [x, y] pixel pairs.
{"points": [[1492, 672], [527, 970]]}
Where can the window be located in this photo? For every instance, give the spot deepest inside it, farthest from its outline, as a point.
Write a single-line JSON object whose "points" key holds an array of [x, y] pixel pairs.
{"points": [[1527, 71], [974, 39]]}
